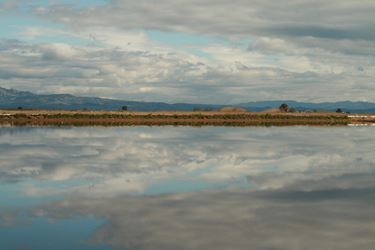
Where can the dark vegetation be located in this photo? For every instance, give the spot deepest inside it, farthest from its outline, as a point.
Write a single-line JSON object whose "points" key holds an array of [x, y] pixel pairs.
{"points": [[284, 107]]}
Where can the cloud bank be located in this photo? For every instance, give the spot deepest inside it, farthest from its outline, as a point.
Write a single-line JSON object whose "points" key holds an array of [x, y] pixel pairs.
{"points": [[194, 51]]}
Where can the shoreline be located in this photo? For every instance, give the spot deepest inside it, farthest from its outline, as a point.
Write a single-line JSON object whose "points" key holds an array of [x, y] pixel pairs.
{"points": [[176, 118]]}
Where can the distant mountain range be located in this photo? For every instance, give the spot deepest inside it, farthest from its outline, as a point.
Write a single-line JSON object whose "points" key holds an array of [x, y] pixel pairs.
{"points": [[13, 99]]}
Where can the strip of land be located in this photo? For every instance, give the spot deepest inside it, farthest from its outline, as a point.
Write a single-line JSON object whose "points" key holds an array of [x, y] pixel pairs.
{"points": [[201, 118]]}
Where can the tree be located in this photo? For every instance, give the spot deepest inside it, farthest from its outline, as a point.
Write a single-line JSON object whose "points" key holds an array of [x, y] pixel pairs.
{"points": [[284, 107], [124, 108], [339, 110]]}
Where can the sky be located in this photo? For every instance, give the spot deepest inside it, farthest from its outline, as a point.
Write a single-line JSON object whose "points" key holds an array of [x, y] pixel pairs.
{"points": [[201, 51]]}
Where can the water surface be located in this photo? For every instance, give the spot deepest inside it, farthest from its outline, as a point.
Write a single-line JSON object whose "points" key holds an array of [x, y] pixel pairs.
{"points": [[187, 188]]}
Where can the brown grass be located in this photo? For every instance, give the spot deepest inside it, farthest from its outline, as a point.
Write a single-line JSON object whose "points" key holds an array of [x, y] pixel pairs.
{"points": [[201, 118]]}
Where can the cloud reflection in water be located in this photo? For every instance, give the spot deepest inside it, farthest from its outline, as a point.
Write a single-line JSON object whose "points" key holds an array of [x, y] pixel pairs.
{"points": [[201, 188]]}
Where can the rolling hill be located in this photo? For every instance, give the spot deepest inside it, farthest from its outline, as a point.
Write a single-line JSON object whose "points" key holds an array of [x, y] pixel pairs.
{"points": [[13, 99]]}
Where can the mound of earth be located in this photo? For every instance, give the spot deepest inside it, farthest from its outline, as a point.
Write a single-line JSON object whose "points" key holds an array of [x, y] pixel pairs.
{"points": [[232, 109]]}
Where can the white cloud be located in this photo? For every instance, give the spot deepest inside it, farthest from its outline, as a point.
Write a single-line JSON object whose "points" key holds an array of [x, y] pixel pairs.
{"points": [[303, 50], [231, 76], [239, 17]]}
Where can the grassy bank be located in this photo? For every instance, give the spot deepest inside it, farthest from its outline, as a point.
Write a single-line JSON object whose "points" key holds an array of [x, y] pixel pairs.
{"points": [[82, 118]]}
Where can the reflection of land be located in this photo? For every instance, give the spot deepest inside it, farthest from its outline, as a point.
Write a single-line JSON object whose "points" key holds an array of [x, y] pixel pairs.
{"points": [[84, 118], [359, 120]]}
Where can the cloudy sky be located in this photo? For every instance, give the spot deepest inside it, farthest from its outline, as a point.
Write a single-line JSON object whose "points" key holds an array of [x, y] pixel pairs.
{"points": [[206, 51]]}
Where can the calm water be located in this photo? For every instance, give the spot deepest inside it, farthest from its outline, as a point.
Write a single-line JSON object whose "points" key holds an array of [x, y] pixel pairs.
{"points": [[177, 188]]}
